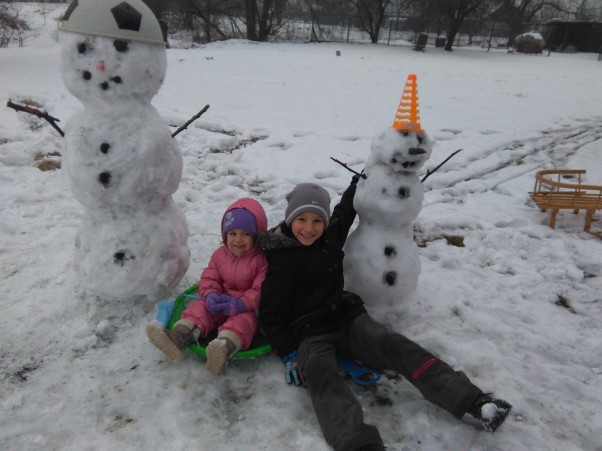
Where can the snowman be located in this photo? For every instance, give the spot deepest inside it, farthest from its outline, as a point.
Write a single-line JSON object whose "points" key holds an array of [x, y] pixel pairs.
{"points": [[121, 161], [382, 262]]}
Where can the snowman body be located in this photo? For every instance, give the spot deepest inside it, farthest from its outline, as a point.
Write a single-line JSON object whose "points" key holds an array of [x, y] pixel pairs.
{"points": [[112, 163], [381, 258], [122, 163]]}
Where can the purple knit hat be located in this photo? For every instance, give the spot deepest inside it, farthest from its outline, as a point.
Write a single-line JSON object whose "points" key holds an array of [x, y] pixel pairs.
{"points": [[239, 218]]}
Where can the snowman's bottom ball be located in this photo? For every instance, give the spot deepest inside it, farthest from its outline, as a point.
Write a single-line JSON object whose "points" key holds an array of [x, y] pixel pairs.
{"points": [[142, 255]]}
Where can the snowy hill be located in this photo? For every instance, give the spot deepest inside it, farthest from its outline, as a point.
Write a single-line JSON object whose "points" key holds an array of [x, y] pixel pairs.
{"points": [[78, 373]]}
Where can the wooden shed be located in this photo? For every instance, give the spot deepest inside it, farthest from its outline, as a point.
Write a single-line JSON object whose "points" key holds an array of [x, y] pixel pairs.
{"points": [[573, 36]]}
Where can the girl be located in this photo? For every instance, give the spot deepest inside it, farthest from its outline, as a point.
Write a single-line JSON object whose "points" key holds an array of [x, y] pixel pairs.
{"points": [[309, 318], [229, 288]]}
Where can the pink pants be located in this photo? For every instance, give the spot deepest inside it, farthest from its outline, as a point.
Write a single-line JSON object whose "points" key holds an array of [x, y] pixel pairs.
{"points": [[243, 325]]}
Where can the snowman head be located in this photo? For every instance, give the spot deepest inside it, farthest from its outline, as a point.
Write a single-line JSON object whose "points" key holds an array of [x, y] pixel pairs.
{"points": [[402, 151], [111, 50]]}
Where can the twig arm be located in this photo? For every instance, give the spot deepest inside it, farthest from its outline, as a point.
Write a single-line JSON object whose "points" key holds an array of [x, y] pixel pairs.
{"points": [[27, 109], [360, 174], [190, 121], [429, 172]]}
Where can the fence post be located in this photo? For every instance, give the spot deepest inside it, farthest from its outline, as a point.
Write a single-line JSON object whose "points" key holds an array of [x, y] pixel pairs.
{"points": [[348, 27]]}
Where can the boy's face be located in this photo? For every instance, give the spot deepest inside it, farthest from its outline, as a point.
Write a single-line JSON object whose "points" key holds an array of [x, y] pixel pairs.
{"points": [[238, 241], [307, 227]]}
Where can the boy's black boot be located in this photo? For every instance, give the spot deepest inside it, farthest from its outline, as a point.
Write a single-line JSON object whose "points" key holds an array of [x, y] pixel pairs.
{"points": [[490, 412]]}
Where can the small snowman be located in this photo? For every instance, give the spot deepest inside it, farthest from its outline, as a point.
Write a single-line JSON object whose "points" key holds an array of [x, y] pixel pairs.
{"points": [[381, 259], [122, 163]]}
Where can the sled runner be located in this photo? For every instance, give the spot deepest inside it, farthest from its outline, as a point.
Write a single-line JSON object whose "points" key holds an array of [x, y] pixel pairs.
{"points": [[168, 312]]}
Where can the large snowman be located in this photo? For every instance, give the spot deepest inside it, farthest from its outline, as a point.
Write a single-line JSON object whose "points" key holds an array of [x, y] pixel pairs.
{"points": [[382, 262], [121, 161]]}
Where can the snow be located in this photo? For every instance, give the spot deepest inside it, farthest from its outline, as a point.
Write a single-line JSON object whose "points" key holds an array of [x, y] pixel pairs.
{"points": [[78, 372]]}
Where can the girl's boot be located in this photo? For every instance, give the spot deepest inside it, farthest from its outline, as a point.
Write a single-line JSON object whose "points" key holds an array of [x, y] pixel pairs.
{"points": [[172, 342], [220, 350]]}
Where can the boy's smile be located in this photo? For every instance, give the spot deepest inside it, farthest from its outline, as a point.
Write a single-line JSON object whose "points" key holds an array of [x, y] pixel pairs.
{"points": [[307, 227]]}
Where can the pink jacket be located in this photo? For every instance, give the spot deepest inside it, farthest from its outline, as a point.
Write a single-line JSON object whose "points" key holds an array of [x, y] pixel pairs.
{"points": [[241, 276]]}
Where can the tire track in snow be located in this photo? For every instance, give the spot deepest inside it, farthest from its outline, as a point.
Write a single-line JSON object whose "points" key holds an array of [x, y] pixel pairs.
{"points": [[491, 168]]}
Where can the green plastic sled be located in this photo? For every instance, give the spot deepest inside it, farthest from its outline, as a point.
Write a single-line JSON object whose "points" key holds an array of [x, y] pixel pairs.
{"points": [[259, 346]]}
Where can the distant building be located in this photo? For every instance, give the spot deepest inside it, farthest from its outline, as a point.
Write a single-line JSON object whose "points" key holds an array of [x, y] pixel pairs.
{"points": [[573, 36]]}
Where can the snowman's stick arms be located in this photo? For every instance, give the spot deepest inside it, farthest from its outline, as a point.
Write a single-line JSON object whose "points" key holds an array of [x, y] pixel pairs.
{"points": [[27, 109], [429, 172], [361, 174], [190, 121]]}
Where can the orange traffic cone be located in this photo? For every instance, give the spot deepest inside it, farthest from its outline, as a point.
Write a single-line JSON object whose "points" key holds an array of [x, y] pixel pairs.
{"points": [[407, 117]]}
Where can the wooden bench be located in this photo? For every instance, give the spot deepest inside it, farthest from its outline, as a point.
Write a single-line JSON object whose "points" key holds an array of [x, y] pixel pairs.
{"points": [[550, 193]]}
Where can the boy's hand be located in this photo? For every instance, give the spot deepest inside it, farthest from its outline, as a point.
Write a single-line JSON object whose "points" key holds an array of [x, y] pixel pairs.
{"points": [[292, 374], [231, 306], [356, 177]]}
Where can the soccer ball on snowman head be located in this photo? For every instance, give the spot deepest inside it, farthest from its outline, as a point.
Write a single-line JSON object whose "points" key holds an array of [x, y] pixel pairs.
{"points": [[111, 49], [405, 146]]}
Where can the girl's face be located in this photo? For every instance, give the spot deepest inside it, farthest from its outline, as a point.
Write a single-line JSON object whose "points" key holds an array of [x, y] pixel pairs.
{"points": [[238, 241], [307, 227]]}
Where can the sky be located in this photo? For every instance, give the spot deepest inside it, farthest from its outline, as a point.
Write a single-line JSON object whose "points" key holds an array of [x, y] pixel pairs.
{"points": [[78, 373]]}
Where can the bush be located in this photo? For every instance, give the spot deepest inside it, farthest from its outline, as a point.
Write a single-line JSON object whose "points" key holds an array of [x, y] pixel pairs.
{"points": [[529, 43], [11, 26]]}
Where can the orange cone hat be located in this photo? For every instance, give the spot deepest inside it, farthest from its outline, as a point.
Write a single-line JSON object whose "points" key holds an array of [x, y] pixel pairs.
{"points": [[407, 117]]}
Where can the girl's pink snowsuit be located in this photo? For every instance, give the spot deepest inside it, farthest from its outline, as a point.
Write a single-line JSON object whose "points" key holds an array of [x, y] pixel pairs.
{"points": [[238, 276]]}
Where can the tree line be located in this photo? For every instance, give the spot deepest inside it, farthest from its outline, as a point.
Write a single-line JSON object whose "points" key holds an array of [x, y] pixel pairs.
{"points": [[263, 20]]}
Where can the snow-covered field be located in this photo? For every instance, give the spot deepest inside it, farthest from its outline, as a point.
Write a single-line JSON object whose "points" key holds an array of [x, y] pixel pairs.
{"points": [[79, 374]]}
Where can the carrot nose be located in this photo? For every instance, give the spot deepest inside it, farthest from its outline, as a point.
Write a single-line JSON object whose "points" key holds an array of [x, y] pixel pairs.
{"points": [[100, 66]]}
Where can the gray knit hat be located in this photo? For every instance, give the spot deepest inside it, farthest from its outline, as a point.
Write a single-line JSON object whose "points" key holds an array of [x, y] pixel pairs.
{"points": [[307, 197]]}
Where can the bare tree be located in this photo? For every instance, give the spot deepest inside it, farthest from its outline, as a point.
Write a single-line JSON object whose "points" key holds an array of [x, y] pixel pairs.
{"points": [[371, 15], [208, 13], [326, 12], [262, 18], [423, 15], [456, 12], [12, 27]]}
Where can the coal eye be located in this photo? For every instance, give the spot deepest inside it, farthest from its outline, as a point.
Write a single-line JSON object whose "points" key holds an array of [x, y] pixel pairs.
{"points": [[86, 75], [420, 139], [81, 47], [405, 133], [120, 46]]}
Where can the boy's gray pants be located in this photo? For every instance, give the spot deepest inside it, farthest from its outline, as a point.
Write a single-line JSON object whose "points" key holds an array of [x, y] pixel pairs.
{"points": [[339, 412]]}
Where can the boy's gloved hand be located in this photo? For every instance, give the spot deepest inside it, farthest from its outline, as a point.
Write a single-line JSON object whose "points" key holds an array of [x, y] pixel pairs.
{"points": [[356, 177], [213, 303], [231, 306], [292, 374]]}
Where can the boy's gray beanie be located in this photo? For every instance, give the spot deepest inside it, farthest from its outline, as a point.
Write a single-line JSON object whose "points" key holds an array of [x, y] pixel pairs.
{"points": [[307, 197]]}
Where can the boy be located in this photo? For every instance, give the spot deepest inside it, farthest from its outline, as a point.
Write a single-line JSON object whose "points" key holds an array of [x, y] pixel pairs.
{"points": [[309, 318]]}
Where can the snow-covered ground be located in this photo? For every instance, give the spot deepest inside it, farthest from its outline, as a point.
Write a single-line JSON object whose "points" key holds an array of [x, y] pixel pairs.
{"points": [[79, 374]]}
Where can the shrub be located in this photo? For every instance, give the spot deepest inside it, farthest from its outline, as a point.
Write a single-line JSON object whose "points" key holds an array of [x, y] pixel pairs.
{"points": [[529, 43]]}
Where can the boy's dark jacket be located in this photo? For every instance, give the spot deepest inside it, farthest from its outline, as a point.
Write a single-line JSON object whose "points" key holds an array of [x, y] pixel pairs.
{"points": [[302, 294]]}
